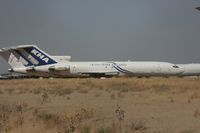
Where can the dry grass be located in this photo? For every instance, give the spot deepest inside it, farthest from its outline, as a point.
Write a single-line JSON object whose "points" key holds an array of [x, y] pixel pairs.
{"points": [[67, 86], [196, 113], [112, 105], [118, 84], [138, 126]]}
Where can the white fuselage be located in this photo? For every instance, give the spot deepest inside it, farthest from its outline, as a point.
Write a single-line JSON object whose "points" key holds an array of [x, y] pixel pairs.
{"points": [[125, 68], [190, 69], [107, 68]]}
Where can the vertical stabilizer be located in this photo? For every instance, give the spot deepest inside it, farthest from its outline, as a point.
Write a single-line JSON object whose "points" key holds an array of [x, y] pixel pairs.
{"points": [[35, 55], [26, 56]]}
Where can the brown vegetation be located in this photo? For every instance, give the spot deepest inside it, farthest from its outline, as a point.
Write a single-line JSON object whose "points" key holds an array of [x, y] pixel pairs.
{"points": [[113, 105]]}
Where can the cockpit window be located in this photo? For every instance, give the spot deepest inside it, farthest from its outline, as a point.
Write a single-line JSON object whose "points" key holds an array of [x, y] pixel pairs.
{"points": [[175, 66]]}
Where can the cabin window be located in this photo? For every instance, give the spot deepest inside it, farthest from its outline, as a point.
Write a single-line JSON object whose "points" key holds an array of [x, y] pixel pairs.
{"points": [[175, 66]]}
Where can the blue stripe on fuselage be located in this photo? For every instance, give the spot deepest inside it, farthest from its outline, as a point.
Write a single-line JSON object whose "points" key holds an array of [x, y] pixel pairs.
{"points": [[121, 69]]}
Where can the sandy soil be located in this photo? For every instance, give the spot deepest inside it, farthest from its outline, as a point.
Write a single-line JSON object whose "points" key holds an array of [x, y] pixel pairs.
{"points": [[114, 105]]}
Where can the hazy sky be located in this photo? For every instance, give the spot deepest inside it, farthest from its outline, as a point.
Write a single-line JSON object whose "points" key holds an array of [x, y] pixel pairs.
{"points": [[147, 30]]}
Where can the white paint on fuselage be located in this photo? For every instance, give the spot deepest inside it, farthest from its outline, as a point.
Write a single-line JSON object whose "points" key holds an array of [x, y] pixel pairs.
{"points": [[123, 68], [81, 69], [190, 69]]}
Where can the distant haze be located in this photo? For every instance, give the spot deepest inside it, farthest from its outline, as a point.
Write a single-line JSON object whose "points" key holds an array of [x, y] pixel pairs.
{"points": [[146, 30]]}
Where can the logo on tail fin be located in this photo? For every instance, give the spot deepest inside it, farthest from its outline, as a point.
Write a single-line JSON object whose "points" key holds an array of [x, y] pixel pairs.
{"points": [[37, 54], [40, 55]]}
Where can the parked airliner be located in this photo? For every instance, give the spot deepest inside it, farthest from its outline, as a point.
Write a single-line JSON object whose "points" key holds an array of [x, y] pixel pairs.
{"points": [[31, 60]]}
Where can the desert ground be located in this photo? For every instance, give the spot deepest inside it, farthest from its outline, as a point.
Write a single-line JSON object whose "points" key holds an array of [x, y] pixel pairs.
{"points": [[91, 105]]}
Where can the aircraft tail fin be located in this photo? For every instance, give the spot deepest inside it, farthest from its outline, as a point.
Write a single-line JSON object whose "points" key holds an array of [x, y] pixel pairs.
{"points": [[31, 55], [35, 55]]}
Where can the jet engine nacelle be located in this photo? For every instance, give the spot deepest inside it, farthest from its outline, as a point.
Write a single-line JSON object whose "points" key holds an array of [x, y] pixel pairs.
{"points": [[41, 69], [30, 69], [59, 68], [19, 70]]}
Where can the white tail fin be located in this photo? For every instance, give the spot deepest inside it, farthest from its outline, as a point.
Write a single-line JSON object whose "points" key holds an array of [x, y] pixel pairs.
{"points": [[34, 56], [26, 55]]}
